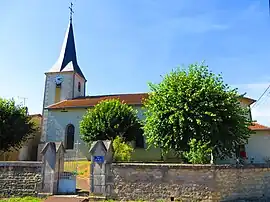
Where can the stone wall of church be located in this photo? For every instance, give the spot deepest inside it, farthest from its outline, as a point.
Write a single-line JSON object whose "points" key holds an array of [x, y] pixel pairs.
{"points": [[76, 82], [44, 126], [66, 88], [57, 123], [49, 96]]}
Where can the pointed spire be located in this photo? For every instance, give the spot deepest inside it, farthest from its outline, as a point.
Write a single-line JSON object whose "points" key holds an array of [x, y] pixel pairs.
{"points": [[68, 51], [67, 60]]}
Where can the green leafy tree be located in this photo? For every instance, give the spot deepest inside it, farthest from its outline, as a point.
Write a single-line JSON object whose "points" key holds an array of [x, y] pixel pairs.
{"points": [[122, 150], [195, 103], [15, 125], [199, 152], [108, 119]]}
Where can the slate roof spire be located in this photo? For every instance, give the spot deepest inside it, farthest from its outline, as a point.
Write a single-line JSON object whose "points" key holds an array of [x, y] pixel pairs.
{"points": [[67, 60]]}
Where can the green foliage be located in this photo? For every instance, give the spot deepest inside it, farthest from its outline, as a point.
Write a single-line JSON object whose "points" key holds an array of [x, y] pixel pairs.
{"points": [[122, 150], [199, 152], [15, 125], [195, 103], [108, 119]]}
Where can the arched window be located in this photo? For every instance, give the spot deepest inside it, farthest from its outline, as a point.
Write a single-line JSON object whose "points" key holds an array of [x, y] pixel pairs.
{"points": [[70, 136], [79, 86]]}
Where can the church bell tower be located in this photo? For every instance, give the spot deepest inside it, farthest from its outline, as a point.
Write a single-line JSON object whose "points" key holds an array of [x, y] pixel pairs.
{"points": [[65, 79]]}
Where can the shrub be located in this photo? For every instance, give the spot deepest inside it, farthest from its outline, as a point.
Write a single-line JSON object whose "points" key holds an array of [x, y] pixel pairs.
{"points": [[108, 119], [122, 150], [199, 152]]}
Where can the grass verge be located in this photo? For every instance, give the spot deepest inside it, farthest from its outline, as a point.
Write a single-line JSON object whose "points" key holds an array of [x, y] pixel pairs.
{"points": [[22, 199]]}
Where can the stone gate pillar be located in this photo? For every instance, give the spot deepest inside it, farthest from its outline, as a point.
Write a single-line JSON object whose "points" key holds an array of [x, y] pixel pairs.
{"points": [[48, 155], [53, 164], [100, 168]]}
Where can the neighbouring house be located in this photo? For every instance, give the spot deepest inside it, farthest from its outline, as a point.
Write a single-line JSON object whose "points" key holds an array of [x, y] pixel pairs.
{"points": [[28, 152], [65, 103], [257, 148]]}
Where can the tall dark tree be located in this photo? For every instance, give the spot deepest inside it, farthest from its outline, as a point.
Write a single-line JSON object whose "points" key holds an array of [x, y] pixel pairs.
{"points": [[194, 103], [109, 119], [15, 125]]}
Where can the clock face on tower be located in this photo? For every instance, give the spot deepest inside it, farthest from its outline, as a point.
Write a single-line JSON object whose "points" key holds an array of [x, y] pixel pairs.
{"points": [[58, 80]]}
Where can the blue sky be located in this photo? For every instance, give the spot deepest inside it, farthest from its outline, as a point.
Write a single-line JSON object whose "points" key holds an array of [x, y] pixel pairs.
{"points": [[122, 45]]}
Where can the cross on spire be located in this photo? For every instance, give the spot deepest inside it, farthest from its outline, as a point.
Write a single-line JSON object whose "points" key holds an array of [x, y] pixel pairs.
{"points": [[71, 11]]}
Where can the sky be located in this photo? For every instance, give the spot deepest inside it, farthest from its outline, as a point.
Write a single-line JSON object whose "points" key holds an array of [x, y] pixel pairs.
{"points": [[123, 45]]}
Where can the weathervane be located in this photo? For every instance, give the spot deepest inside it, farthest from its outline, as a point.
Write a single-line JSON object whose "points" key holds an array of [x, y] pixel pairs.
{"points": [[71, 11]]}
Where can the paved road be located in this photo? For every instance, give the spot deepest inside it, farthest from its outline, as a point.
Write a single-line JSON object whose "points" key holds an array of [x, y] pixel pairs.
{"points": [[65, 199], [83, 183]]}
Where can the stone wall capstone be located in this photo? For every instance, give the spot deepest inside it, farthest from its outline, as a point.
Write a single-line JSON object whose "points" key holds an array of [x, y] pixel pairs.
{"points": [[151, 182], [20, 178]]}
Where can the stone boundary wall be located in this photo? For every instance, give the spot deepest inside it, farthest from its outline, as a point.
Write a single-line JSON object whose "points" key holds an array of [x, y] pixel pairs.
{"points": [[133, 181], [20, 178]]}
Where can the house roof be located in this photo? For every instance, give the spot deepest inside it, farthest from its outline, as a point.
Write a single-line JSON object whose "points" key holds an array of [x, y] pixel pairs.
{"points": [[35, 115], [90, 101], [247, 100], [67, 61], [36, 118], [258, 127]]}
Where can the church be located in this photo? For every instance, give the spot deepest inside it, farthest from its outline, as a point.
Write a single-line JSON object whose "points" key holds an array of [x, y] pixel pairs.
{"points": [[65, 102]]}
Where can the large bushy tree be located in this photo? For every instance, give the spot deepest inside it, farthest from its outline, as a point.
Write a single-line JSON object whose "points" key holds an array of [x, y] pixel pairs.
{"points": [[194, 103], [109, 119], [15, 125]]}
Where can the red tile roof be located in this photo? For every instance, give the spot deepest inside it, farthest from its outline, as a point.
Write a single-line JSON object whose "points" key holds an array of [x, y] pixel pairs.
{"points": [[256, 126], [131, 99], [90, 101]]}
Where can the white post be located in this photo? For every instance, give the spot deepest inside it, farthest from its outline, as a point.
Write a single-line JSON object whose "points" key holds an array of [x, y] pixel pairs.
{"points": [[76, 153], [212, 158]]}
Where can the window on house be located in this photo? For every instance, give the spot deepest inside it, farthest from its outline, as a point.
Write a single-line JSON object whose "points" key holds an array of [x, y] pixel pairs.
{"points": [[140, 140], [79, 86], [70, 136]]}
